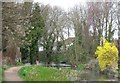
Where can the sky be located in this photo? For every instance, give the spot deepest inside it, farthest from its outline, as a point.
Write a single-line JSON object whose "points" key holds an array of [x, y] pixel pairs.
{"points": [[64, 4]]}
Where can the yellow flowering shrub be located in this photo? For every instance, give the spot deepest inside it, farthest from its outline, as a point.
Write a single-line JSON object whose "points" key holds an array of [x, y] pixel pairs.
{"points": [[106, 54]]}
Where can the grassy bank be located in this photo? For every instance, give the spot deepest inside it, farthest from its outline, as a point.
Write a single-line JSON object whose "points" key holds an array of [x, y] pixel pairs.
{"points": [[0, 74], [2, 69], [38, 73]]}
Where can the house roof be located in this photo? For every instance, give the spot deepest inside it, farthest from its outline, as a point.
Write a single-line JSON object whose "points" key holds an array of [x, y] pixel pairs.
{"points": [[67, 41]]}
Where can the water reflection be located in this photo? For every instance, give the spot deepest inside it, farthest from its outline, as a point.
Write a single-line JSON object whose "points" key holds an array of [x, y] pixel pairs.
{"points": [[96, 76], [94, 73]]}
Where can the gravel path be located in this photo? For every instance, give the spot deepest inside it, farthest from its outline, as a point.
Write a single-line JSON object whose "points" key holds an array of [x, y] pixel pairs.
{"points": [[11, 74]]}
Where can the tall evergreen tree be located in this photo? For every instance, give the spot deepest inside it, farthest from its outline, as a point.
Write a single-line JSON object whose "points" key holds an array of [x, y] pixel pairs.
{"points": [[36, 25]]}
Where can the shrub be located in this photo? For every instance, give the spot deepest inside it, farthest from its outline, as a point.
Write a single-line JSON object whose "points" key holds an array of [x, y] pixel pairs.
{"points": [[24, 71], [19, 64], [107, 54], [118, 70], [81, 67]]}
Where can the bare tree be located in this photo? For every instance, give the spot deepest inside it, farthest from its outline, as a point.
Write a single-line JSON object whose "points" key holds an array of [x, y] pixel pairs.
{"points": [[53, 32]]}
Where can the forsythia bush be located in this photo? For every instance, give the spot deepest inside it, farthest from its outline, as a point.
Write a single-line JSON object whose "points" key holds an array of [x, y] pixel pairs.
{"points": [[107, 54]]}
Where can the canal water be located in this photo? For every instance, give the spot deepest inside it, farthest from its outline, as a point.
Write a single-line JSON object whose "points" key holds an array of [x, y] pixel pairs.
{"points": [[96, 76]]}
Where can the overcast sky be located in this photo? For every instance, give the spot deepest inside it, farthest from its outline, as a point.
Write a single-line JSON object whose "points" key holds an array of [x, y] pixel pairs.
{"points": [[65, 4]]}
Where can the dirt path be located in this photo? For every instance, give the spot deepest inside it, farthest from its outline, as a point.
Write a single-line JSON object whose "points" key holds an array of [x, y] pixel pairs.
{"points": [[11, 74]]}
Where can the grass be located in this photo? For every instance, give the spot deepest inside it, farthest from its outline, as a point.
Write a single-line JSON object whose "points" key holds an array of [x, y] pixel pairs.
{"points": [[38, 73], [0, 74], [6, 67]]}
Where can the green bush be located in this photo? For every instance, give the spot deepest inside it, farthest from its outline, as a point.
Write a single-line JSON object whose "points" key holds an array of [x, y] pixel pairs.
{"points": [[80, 67], [118, 70], [19, 64], [24, 71]]}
